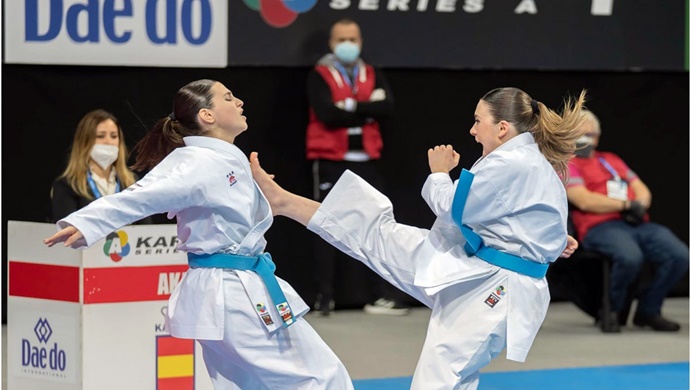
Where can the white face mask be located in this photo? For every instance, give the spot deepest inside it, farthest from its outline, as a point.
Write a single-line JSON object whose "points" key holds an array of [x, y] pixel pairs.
{"points": [[104, 155]]}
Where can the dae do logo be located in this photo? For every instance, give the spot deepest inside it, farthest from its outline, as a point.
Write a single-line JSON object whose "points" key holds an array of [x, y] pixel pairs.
{"points": [[98, 20], [42, 355], [184, 33]]}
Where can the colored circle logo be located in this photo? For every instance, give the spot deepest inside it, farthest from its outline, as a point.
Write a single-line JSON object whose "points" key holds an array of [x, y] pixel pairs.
{"points": [[116, 245], [280, 13]]}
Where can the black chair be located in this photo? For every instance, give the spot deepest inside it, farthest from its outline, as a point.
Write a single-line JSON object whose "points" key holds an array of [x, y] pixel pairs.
{"points": [[584, 279]]}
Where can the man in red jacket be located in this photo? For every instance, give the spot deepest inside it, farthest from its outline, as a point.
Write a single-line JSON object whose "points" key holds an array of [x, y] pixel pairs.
{"points": [[348, 98]]}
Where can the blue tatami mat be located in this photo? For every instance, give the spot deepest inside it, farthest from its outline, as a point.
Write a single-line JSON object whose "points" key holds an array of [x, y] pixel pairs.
{"points": [[666, 376]]}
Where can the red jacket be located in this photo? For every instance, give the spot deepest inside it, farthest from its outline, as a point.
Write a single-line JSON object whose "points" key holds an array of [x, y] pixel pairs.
{"points": [[332, 143]]}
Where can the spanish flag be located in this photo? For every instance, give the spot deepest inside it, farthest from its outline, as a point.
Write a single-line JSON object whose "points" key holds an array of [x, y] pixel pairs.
{"points": [[175, 363]]}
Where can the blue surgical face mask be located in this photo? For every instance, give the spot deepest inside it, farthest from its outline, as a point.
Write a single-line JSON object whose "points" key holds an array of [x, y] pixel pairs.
{"points": [[347, 52]]}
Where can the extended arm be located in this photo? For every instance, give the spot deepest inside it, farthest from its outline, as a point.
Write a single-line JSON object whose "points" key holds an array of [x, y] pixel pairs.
{"points": [[168, 187]]}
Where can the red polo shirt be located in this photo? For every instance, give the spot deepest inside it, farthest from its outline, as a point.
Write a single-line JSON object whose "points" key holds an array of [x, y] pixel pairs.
{"points": [[593, 174]]}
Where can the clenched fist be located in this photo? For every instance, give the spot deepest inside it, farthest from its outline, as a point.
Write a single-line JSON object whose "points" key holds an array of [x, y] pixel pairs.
{"points": [[443, 158]]}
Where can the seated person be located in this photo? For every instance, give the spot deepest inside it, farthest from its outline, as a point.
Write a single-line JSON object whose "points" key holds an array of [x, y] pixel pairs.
{"points": [[610, 215]]}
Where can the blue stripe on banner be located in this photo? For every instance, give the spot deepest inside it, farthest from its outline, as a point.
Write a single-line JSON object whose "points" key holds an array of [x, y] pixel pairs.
{"points": [[663, 376]]}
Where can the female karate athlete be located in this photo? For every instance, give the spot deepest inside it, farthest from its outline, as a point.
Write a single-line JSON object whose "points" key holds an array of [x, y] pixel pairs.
{"points": [[481, 267], [246, 320]]}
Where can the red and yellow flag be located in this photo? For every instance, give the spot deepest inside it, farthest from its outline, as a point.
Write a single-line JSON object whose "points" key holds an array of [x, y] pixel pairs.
{"points": [[175, 363]]}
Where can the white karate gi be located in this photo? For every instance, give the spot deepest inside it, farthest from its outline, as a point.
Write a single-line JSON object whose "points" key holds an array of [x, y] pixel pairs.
{"points": [[516, 203], [208, 185]]}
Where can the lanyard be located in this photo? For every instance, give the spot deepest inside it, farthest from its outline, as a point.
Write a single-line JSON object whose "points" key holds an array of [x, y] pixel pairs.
{"points": [[609, 168], [94, 188], [353, 82]]}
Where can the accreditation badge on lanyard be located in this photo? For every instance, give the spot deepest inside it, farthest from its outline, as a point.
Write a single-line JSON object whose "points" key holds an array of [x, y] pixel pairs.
{"points": [[616, 188]]}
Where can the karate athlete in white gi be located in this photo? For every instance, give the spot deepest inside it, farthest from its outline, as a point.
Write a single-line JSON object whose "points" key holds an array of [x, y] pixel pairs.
{"points": [[481, 267], [247, 320]]}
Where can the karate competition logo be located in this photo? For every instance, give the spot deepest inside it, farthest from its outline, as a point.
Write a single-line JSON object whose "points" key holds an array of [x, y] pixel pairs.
{"points": [[174, 363], [280, 13], [116, 245], [495, 296]]}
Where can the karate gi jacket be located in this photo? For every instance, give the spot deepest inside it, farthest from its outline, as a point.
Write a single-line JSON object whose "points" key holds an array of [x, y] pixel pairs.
{"points": [[209, 187], [517, 205]]}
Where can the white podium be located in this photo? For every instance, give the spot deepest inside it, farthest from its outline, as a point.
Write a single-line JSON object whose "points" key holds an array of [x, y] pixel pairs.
{"points": [[93, 319]]}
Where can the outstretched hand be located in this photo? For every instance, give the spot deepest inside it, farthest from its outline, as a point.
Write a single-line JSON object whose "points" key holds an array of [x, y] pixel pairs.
{"points": [[443, 158], [70, 235], [570, 247]]}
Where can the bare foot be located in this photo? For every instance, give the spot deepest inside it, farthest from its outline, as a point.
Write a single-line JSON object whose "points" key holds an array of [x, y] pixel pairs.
{"points": [[275, 194]]}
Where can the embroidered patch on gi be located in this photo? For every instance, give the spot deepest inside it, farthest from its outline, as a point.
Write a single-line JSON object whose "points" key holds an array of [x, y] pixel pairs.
{"points": [[261, 308], [267, 319], [285, 312], [231, 178], [495, 296]]}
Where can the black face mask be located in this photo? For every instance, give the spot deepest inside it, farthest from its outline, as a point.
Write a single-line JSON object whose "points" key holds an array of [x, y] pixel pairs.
{"points": [[583, 149]]}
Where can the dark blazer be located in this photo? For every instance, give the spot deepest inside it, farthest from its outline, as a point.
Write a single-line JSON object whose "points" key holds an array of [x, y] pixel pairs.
{"points": [[65, 201]]}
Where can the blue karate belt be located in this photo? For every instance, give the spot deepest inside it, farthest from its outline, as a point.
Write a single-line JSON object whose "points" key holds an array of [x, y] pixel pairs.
{"points": [[475, 245], [262, 264]]}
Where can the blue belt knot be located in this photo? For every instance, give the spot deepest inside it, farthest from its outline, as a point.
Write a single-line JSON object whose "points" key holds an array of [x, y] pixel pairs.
{"points": [[262, 264]]}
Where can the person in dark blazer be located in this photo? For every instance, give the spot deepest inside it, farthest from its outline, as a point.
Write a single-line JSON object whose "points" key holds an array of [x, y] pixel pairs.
{"points": [[97, 166]]}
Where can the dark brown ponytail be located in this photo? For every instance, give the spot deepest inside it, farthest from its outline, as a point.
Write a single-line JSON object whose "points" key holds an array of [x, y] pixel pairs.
{"points": [[167, 133]]}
